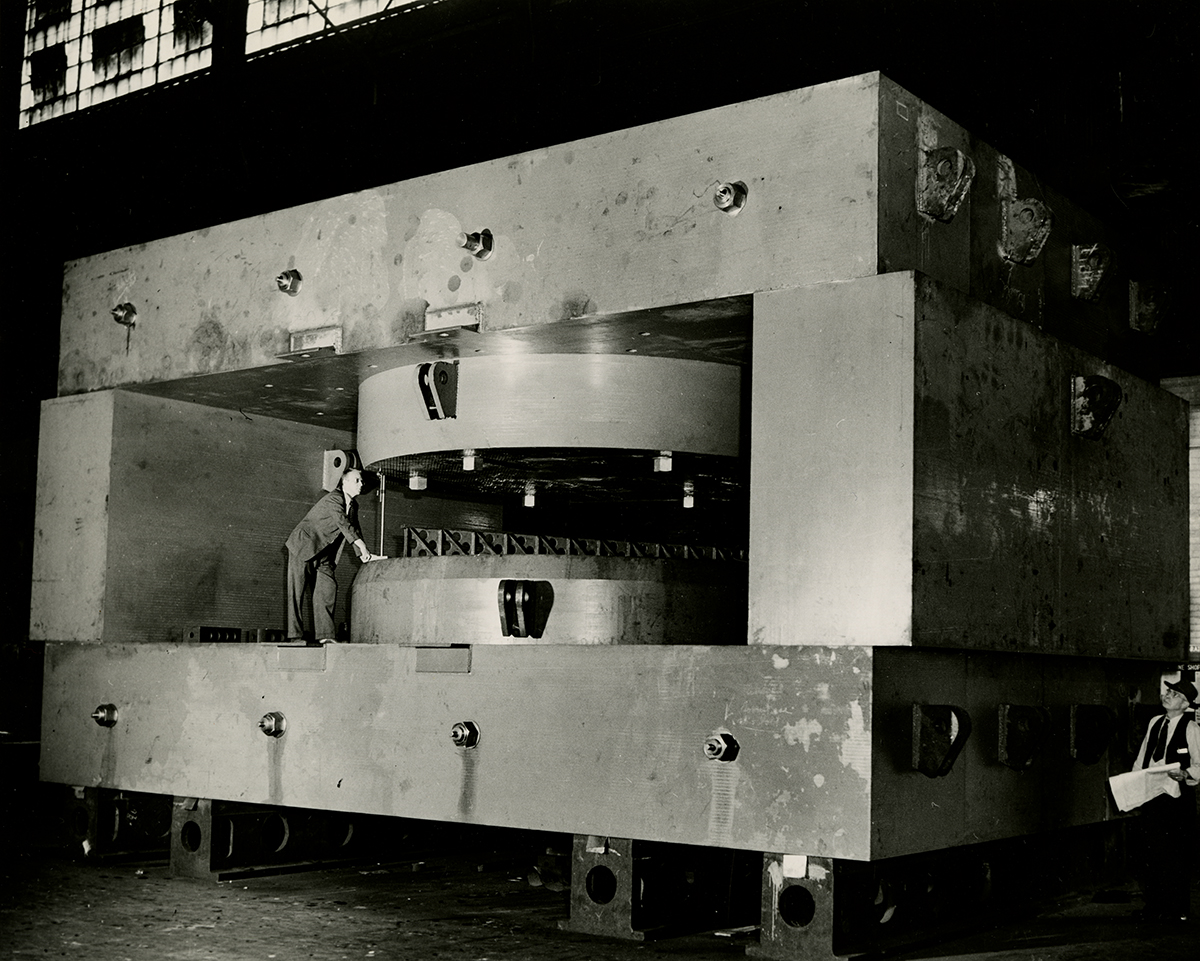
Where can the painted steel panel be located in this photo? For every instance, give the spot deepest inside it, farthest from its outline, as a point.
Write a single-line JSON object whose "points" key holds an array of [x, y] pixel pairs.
{"points": [[612, 223], [70, 544], [831, 464], [595, 740], [557, 400]]}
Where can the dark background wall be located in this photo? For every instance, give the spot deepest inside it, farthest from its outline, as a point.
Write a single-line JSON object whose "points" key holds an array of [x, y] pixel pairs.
{"points": [[1099, 99]]}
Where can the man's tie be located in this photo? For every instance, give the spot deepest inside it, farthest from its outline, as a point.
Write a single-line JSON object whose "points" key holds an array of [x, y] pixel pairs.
{"points": [[1160, 746]]}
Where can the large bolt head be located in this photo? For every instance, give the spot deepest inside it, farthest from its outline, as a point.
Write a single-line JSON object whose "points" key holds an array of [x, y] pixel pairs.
{"points": [[273, 724], [105, 715], [465, 734], [730, 197]]}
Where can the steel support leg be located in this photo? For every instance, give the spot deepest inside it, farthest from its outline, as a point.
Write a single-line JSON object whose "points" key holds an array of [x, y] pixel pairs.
{"points": [[101, 822], [797, 909], [638, 890], [215, 840]]}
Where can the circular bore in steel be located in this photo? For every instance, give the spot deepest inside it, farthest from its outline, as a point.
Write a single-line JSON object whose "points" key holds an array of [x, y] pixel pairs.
{"points": [[796, 906], [275, 833], [338, 832], [191, 836], [600, 884]]}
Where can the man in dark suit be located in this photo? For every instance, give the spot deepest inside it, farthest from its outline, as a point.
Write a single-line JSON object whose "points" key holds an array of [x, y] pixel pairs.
{"points": [[314, 548], [1169, 823]]}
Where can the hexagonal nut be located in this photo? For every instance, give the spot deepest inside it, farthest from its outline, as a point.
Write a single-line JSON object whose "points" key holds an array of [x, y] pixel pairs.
{"points": [[465, 734], [273, 724], [730, 197], [721, 746]]}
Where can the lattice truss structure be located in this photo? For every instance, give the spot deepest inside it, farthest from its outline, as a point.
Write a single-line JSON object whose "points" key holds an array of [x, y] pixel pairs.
{"points": [[436, 542]]}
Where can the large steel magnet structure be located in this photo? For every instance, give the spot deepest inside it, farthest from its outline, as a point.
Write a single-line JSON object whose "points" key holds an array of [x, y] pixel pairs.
{"points": [[749, 483]]}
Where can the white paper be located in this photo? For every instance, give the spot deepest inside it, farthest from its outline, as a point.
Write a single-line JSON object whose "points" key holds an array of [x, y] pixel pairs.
{"points": [[1135, 788]]}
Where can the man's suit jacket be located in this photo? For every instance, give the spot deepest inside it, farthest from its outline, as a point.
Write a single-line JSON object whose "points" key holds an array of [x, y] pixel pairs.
{"points": [[325, 523]]}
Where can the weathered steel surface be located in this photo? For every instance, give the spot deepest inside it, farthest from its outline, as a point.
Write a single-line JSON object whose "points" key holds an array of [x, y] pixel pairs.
{"points": [[1027, 536], [558, 400], [915, 480], [619, 222], [965, 251], [604, 740], [580, 600], [612, 223], [981, 799]]}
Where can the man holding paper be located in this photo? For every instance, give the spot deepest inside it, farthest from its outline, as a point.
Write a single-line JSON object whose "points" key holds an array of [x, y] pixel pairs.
{"points": [[1169, 820]]}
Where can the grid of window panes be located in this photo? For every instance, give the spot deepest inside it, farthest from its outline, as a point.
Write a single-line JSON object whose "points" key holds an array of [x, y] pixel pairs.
{"points": [[270, 23], [79, 53]]}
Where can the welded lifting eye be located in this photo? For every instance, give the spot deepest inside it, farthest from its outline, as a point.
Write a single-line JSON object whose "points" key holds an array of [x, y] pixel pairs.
{"points": [[479, 245], [105, 715], [465, 734], [289, 282], [1024, 229], [273, 724], [125, 315], [1094, 403], [721, 746], [731, 197]]}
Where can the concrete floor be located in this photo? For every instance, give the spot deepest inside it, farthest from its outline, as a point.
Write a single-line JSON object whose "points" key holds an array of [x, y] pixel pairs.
{"points": [[454, 908]]}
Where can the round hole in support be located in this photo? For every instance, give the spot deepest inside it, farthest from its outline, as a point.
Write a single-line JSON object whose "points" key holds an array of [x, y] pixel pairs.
{"points": [[337, 832], [796, 906], [275, 833], [190, 836], [600, 884]]}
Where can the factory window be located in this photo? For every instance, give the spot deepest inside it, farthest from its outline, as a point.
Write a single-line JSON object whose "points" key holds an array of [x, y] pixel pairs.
{"points": [[271, 23], [48, 72], [117, 48], [79, 53], [192, 29], [46, 12]]}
